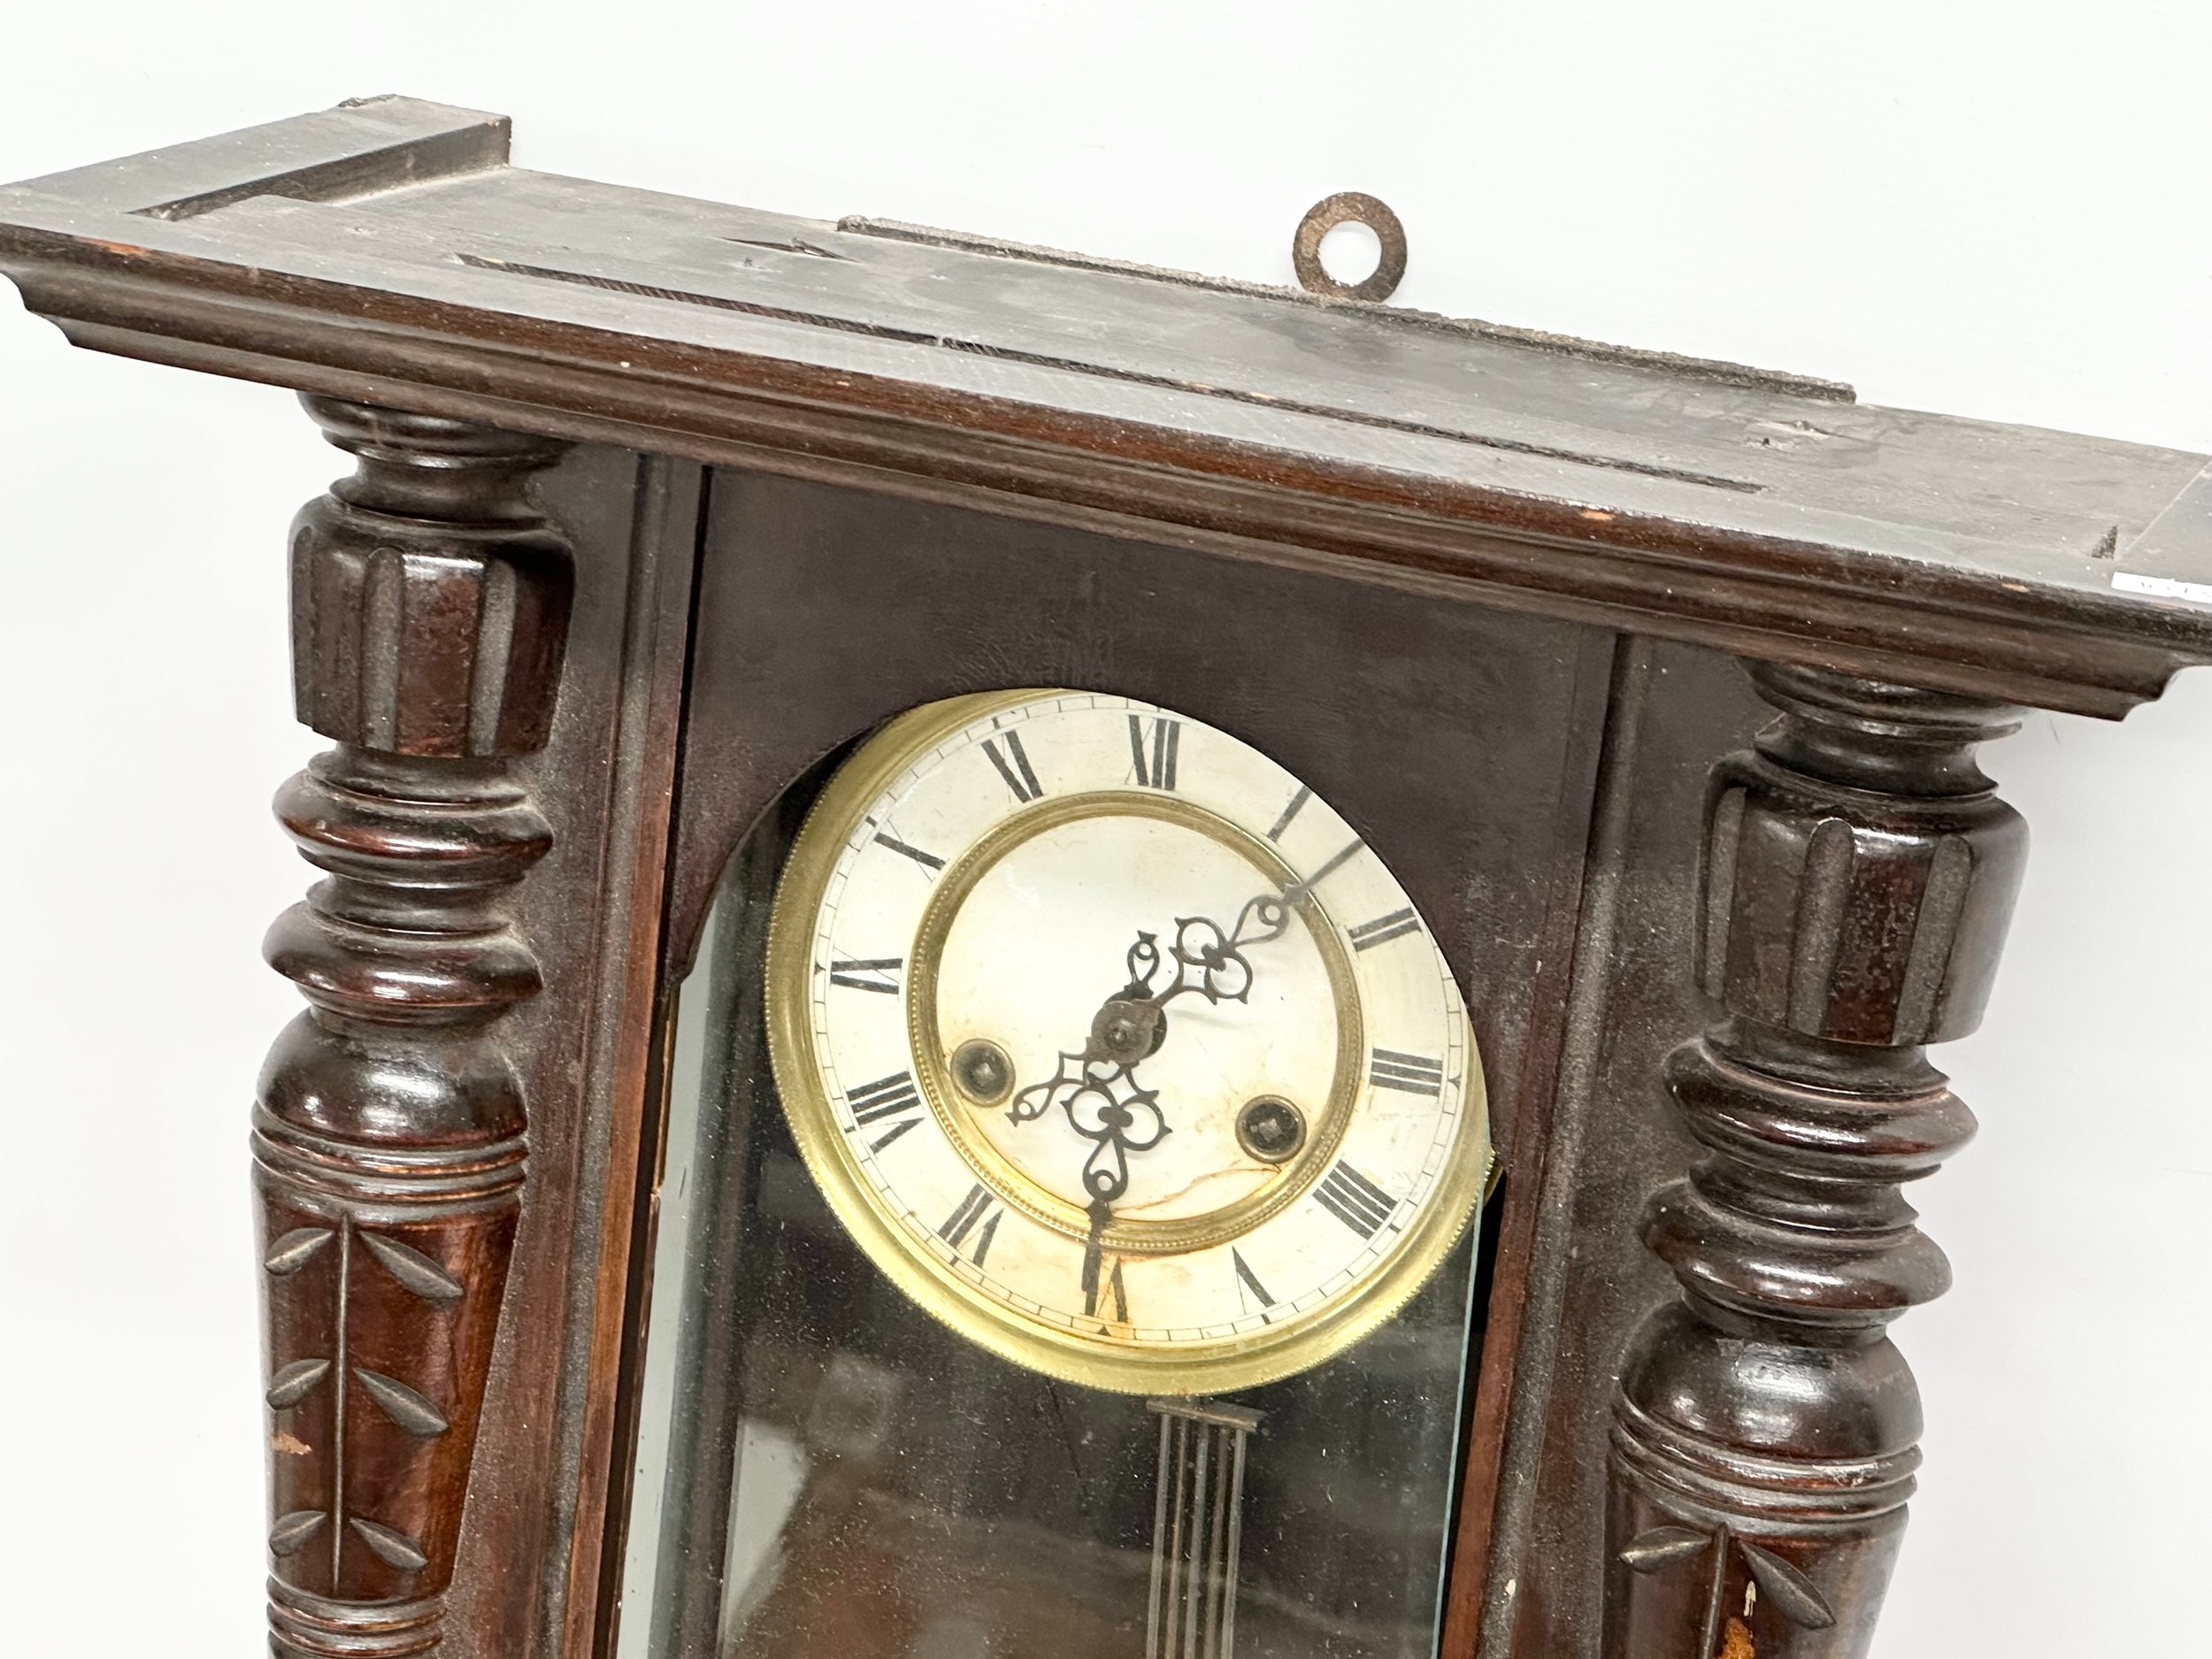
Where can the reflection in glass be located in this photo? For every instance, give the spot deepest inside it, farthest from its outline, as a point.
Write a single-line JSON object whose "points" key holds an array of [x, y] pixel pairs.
{"points": [[824, 1470]]}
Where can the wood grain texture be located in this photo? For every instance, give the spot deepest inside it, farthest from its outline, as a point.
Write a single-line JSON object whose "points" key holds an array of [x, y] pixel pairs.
{"points": [[822, 611], [1522, 1332], [1859, 873], [1401, 552], [430, 602], [1760, 513], [548, 1485]]}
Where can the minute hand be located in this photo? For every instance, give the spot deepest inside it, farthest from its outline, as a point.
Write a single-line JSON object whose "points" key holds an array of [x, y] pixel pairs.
{"points": [[1207, 959], [1133, 1023], [1098, 1088]]}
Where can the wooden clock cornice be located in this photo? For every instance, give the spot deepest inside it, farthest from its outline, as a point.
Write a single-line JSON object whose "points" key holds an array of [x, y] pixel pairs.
{"points": [[506, 622], [387, 252]]}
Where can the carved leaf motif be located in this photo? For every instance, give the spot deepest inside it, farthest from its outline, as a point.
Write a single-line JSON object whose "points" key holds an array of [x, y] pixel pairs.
{"points": [[1662, 1546], [294, 1529], [295, 1382], [392, 1546], [402, 1404], [413, 1269], [1786, 1587], [295, 1250]]}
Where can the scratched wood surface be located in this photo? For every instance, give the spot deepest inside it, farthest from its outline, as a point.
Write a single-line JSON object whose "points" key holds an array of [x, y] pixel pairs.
{"points": [[1374, 491], [1766, 512]]}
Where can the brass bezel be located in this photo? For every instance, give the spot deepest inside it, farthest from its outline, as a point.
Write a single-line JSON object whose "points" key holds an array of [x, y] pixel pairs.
{"points": [[1099, 1362]]}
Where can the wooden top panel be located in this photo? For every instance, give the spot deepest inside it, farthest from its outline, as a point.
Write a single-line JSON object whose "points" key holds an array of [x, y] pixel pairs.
{"points": [[387, 250]]}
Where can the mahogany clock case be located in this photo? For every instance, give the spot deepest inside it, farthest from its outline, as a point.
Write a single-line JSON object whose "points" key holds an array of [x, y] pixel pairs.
{"points": [[1664, 720]]}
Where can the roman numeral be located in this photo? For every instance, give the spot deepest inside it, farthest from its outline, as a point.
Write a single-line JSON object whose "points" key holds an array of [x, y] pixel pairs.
{"points": [[1167, 735], [1355, 1200], [876, 973], [1406, 1071], [1013, 765], [1297, 803], [887, 1097], [1330, 868], [1112, 1287], [1383, 929], [928, 861], [979, 1206], [1249, 1280]]}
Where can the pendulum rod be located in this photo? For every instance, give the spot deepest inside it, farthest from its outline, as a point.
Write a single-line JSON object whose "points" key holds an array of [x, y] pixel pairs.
{"points": [[1197, 1529]]}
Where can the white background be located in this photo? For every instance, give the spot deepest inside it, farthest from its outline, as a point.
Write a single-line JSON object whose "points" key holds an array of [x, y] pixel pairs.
{"points": [[1988, 208]]}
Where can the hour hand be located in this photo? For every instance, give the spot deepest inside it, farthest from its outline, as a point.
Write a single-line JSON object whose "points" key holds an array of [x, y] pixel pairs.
{"points": [[1117, 1123], [1094, 1253], [1128, 1026]]}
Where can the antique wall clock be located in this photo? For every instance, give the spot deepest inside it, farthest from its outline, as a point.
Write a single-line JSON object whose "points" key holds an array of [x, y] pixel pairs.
{"points": [[951, 871]]}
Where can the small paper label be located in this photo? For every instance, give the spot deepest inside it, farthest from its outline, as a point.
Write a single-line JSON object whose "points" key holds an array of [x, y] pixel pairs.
{"points": [[2162, 588]]}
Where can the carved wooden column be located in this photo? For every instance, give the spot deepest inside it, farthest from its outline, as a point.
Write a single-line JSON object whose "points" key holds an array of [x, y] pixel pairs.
{"points": [[429, 605], [1859, 873]]}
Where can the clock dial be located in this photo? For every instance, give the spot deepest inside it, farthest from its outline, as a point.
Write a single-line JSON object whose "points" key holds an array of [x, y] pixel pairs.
{"points": [[1115, 1046]]}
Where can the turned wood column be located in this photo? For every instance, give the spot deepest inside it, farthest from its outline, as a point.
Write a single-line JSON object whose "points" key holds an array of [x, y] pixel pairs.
{"points": [[1858, 875], [429, 607]]}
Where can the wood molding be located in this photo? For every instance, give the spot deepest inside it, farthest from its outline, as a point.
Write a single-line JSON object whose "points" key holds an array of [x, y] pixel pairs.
{"points": [[1764, 514], [430, 602], [1756, 595]]}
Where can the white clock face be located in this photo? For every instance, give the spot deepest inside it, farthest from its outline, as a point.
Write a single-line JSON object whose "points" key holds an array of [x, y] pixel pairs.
{"points": [[1115, 1046]]}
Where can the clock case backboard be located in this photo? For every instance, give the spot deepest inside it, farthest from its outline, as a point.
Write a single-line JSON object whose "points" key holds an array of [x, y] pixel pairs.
{"points": [[1460, 744], [1488, 590]]}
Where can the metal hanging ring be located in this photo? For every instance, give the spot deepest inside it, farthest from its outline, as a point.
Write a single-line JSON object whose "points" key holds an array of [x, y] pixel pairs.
{"points": [[1349, 207]]}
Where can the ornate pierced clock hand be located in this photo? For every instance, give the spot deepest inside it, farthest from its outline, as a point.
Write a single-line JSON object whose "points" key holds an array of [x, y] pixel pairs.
{"points": [[1100, 1095], [1208, 960]]}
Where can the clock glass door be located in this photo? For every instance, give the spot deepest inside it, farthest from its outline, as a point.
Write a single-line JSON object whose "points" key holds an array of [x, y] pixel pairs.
{"points": [[1070, 1227]]}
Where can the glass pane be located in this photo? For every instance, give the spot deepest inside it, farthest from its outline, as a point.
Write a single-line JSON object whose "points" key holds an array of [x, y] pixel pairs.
{"points": [[826, 1470]]}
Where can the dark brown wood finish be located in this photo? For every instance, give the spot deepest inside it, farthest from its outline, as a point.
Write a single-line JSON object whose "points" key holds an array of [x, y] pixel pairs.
{"points": [[384, 251], [1791, 1243], [430, 611], [432, 598], [1859, 874], [1522, 1328], [1467, 752], [531, 1565], [1613, 1141], [1476, 584]]}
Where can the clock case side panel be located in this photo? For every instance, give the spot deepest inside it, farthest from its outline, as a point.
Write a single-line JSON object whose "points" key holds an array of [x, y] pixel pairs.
{"points": [[528, 1576], [1462, 742], [1541, 1590]]}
